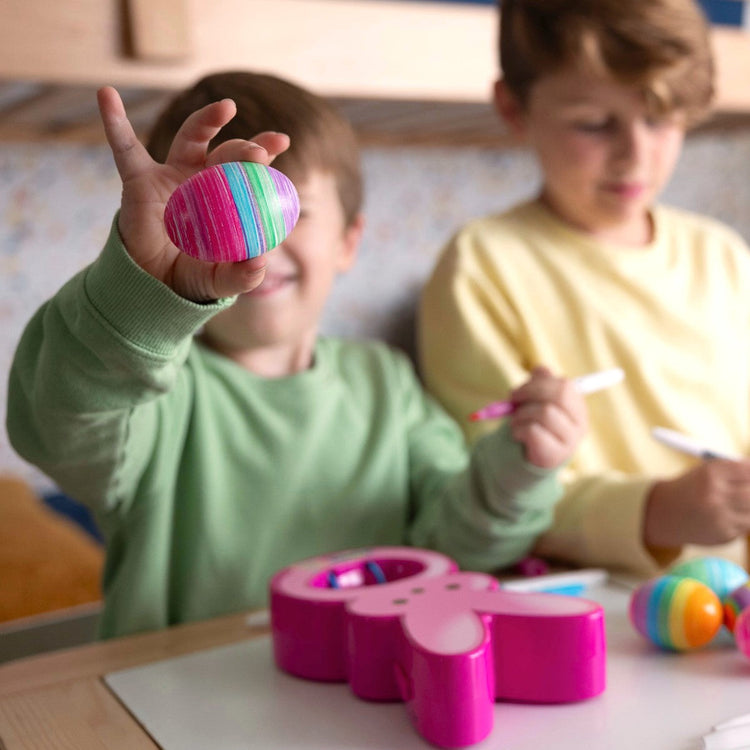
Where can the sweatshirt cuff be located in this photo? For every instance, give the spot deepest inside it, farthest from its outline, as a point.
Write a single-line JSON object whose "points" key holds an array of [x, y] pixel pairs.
{"points": [[615, 528], [129, 299], [599, 522], [522, 486]]}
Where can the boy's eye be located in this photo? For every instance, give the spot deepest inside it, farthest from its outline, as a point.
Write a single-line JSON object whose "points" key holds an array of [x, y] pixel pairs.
{"points": [[594, 125]]}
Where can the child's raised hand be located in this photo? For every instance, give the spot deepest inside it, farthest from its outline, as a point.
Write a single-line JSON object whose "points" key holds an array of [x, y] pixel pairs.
{"points": [[147, 186], [550, 418], [709, 504]]}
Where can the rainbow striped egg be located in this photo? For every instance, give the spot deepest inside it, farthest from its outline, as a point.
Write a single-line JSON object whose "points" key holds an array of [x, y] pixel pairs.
{"points": [[736, 602], [742, 632], [720, 575], [677, 614], [232, 212]]}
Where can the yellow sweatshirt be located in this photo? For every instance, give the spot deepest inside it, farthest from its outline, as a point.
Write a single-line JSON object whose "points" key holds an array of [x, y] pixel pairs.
{"points": [[520, 289]]}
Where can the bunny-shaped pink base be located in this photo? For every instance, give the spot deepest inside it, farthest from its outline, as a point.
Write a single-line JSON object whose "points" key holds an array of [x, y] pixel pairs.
{"points": [[403, 624]]}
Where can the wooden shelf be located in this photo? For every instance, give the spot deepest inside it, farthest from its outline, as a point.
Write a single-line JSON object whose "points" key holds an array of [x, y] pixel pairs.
{"points": [[407, 70]]}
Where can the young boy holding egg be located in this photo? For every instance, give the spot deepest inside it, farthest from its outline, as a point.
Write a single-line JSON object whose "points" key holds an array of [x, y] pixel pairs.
{"points": [[214, 459], [593, 273]]}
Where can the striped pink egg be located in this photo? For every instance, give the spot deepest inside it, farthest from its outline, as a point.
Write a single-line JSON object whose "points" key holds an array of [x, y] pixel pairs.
{"points": [[232, 212], [736, 602]]}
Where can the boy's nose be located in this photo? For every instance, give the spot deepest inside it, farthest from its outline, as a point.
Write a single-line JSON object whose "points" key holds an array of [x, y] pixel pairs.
{"points": [[631, 141]]}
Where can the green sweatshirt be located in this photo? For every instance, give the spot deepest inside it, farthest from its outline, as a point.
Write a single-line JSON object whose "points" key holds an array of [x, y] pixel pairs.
{"points": [[206, 479]]}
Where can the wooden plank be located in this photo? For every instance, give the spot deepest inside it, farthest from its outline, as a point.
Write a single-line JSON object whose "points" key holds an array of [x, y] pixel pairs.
{"points": [[376, 49], [158, 29], [79, 715], [732, 50], [400, 50], [94, 660]]}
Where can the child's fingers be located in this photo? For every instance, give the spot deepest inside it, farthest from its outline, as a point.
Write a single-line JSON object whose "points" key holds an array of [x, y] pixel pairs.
{"points": [[200, 281], [237, 278], [541, 386], [541, 447], [190, 144], [273, 143], [544, 388], [129, 153], [550, 417], [238, 150], [262, 149], [735, 472]]}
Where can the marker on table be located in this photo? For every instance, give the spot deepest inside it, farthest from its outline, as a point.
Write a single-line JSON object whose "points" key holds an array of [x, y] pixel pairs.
{"points": [[585, 384], [735, 737], [688, 445], [573, 583]]}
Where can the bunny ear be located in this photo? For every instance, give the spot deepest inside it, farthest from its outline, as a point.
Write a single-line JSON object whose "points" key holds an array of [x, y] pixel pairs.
{"points": [[538, 605], [451, 614], [446, 633]]}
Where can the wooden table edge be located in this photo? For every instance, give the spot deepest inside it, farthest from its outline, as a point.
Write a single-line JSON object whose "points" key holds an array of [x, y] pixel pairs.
{"points": [[102, 657]]}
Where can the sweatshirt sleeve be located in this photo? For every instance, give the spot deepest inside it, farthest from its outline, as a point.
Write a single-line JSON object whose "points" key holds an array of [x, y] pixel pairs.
{"points": [[470, 337], [88, 363], [485, 508], [598, 523]]}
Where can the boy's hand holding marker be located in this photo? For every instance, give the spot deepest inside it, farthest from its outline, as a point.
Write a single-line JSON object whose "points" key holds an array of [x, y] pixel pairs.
{"points": [[547, 414], [709, 504]]}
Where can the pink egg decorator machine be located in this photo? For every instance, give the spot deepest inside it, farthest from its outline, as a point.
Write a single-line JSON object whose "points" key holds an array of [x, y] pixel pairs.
{"points": [[404, 624]]}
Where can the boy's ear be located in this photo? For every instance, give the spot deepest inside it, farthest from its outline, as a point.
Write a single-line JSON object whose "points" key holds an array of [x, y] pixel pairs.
{"points": [[508, 107], [350, 246]]}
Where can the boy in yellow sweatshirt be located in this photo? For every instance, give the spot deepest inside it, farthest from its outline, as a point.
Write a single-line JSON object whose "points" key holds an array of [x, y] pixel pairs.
{"points": [[594, 273]]}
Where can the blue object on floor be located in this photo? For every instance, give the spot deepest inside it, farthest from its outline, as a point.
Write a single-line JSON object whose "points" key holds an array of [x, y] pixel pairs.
{"points": [[75, 511]]}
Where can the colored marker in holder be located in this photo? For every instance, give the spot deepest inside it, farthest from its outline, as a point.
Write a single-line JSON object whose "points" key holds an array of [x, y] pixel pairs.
{"points": [[446, 643]]}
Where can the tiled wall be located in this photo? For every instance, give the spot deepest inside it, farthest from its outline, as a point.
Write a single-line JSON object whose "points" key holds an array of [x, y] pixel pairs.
{"points": [[56, 204]]}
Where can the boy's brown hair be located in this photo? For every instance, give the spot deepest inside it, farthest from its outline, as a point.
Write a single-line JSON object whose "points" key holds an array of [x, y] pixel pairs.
{"points": [[321, 138], [662, 46]]}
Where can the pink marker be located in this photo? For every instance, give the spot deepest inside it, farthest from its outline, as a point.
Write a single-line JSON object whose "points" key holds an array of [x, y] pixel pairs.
{"points": [[595, 381]]}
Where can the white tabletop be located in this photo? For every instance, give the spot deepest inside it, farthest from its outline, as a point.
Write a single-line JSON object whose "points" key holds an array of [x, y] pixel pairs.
{"points": [[233, 697]]}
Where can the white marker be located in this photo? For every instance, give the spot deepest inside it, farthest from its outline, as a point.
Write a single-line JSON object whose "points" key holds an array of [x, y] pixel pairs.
{"points": [[598, 381], [730, 738], [688, 445], [574, 581], [737, 721]]}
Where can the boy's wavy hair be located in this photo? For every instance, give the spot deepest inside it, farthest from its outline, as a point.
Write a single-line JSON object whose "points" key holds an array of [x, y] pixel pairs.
{"points": [[321, 138], [662, 46]]}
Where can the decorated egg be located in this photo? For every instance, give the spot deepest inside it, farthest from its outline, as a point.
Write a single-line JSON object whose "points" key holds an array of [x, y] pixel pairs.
{"points": [[720, 575], [742, 632], [735, 602], [232, 212], [677, 614]]}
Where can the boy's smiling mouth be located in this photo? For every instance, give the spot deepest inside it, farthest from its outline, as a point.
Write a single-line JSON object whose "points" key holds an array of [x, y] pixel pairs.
{"points": [[624, 189], [272, 283]]}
